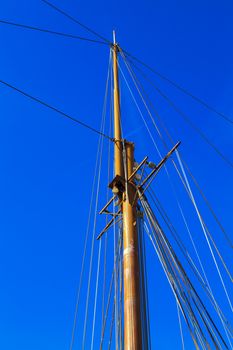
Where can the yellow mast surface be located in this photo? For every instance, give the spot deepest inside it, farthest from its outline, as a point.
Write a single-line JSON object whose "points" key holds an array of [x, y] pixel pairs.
{"points": [[132, 314]]}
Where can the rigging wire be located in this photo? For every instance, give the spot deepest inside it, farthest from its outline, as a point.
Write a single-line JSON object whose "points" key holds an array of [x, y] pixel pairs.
{"points": [[83, 124], [133, 77], [180, 325], [175, 235], [96, 294], [94, 226], [161, 259], [177, 110], [146, 338], [167, 249], [55, 110], [196, 183], [89, 220], [84, 251], [115, 266], [107, 199], [194, 180], [179, 87], [115, 280], [111, 328], [92, 251], [205, 285], [56, 8], [100, 243], [151, 136], [204, 229], [208, 204], [72, 36], [121, 301]]}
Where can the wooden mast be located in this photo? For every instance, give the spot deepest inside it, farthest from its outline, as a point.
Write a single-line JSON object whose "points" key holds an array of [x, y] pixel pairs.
{"points": [[132, 313]]}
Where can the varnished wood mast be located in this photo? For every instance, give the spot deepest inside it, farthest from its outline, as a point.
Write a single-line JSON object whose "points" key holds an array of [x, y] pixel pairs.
{"points": [[132, 314]]}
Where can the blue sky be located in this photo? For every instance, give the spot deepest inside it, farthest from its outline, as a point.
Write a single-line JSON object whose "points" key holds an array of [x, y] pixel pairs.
{"points": [[47, 162]]}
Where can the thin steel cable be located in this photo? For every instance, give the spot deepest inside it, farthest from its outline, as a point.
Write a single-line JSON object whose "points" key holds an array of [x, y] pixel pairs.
{"points": [[96, 295], [204, 231], [92, 245], [181, 113], [180, 325], [115, 281], [138, 90], [131, 73], [107, 198], [208, 204], [144, 286], [189, 282], [146, 289], [110, 290], [176, 236], [85, 250], [100, 243], [56, 8], [91, 261], [196, 183], [140, 112], [168, 277], [156, 129], [209, 290], [184, 250], [121, 332], [106, 313], [207, 326], [48, 31], [211, 295], [111, 328], [88, 227], [88, 224], [178, 301], [54, 109], [133, 77], [120, 275], [198, 187], [203, 222], [183, 90]]}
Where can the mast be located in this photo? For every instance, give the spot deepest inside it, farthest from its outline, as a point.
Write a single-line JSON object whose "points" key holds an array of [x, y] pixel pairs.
{"points": [[123, 162]]}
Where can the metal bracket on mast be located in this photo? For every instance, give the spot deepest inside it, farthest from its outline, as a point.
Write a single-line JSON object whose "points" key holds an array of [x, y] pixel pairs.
{"points": [[157, 168], [110, 223], [118, 187]]}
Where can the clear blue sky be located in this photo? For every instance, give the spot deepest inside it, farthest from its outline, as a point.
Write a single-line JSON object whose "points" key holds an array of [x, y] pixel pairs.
{"points": [[46, 162]]}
